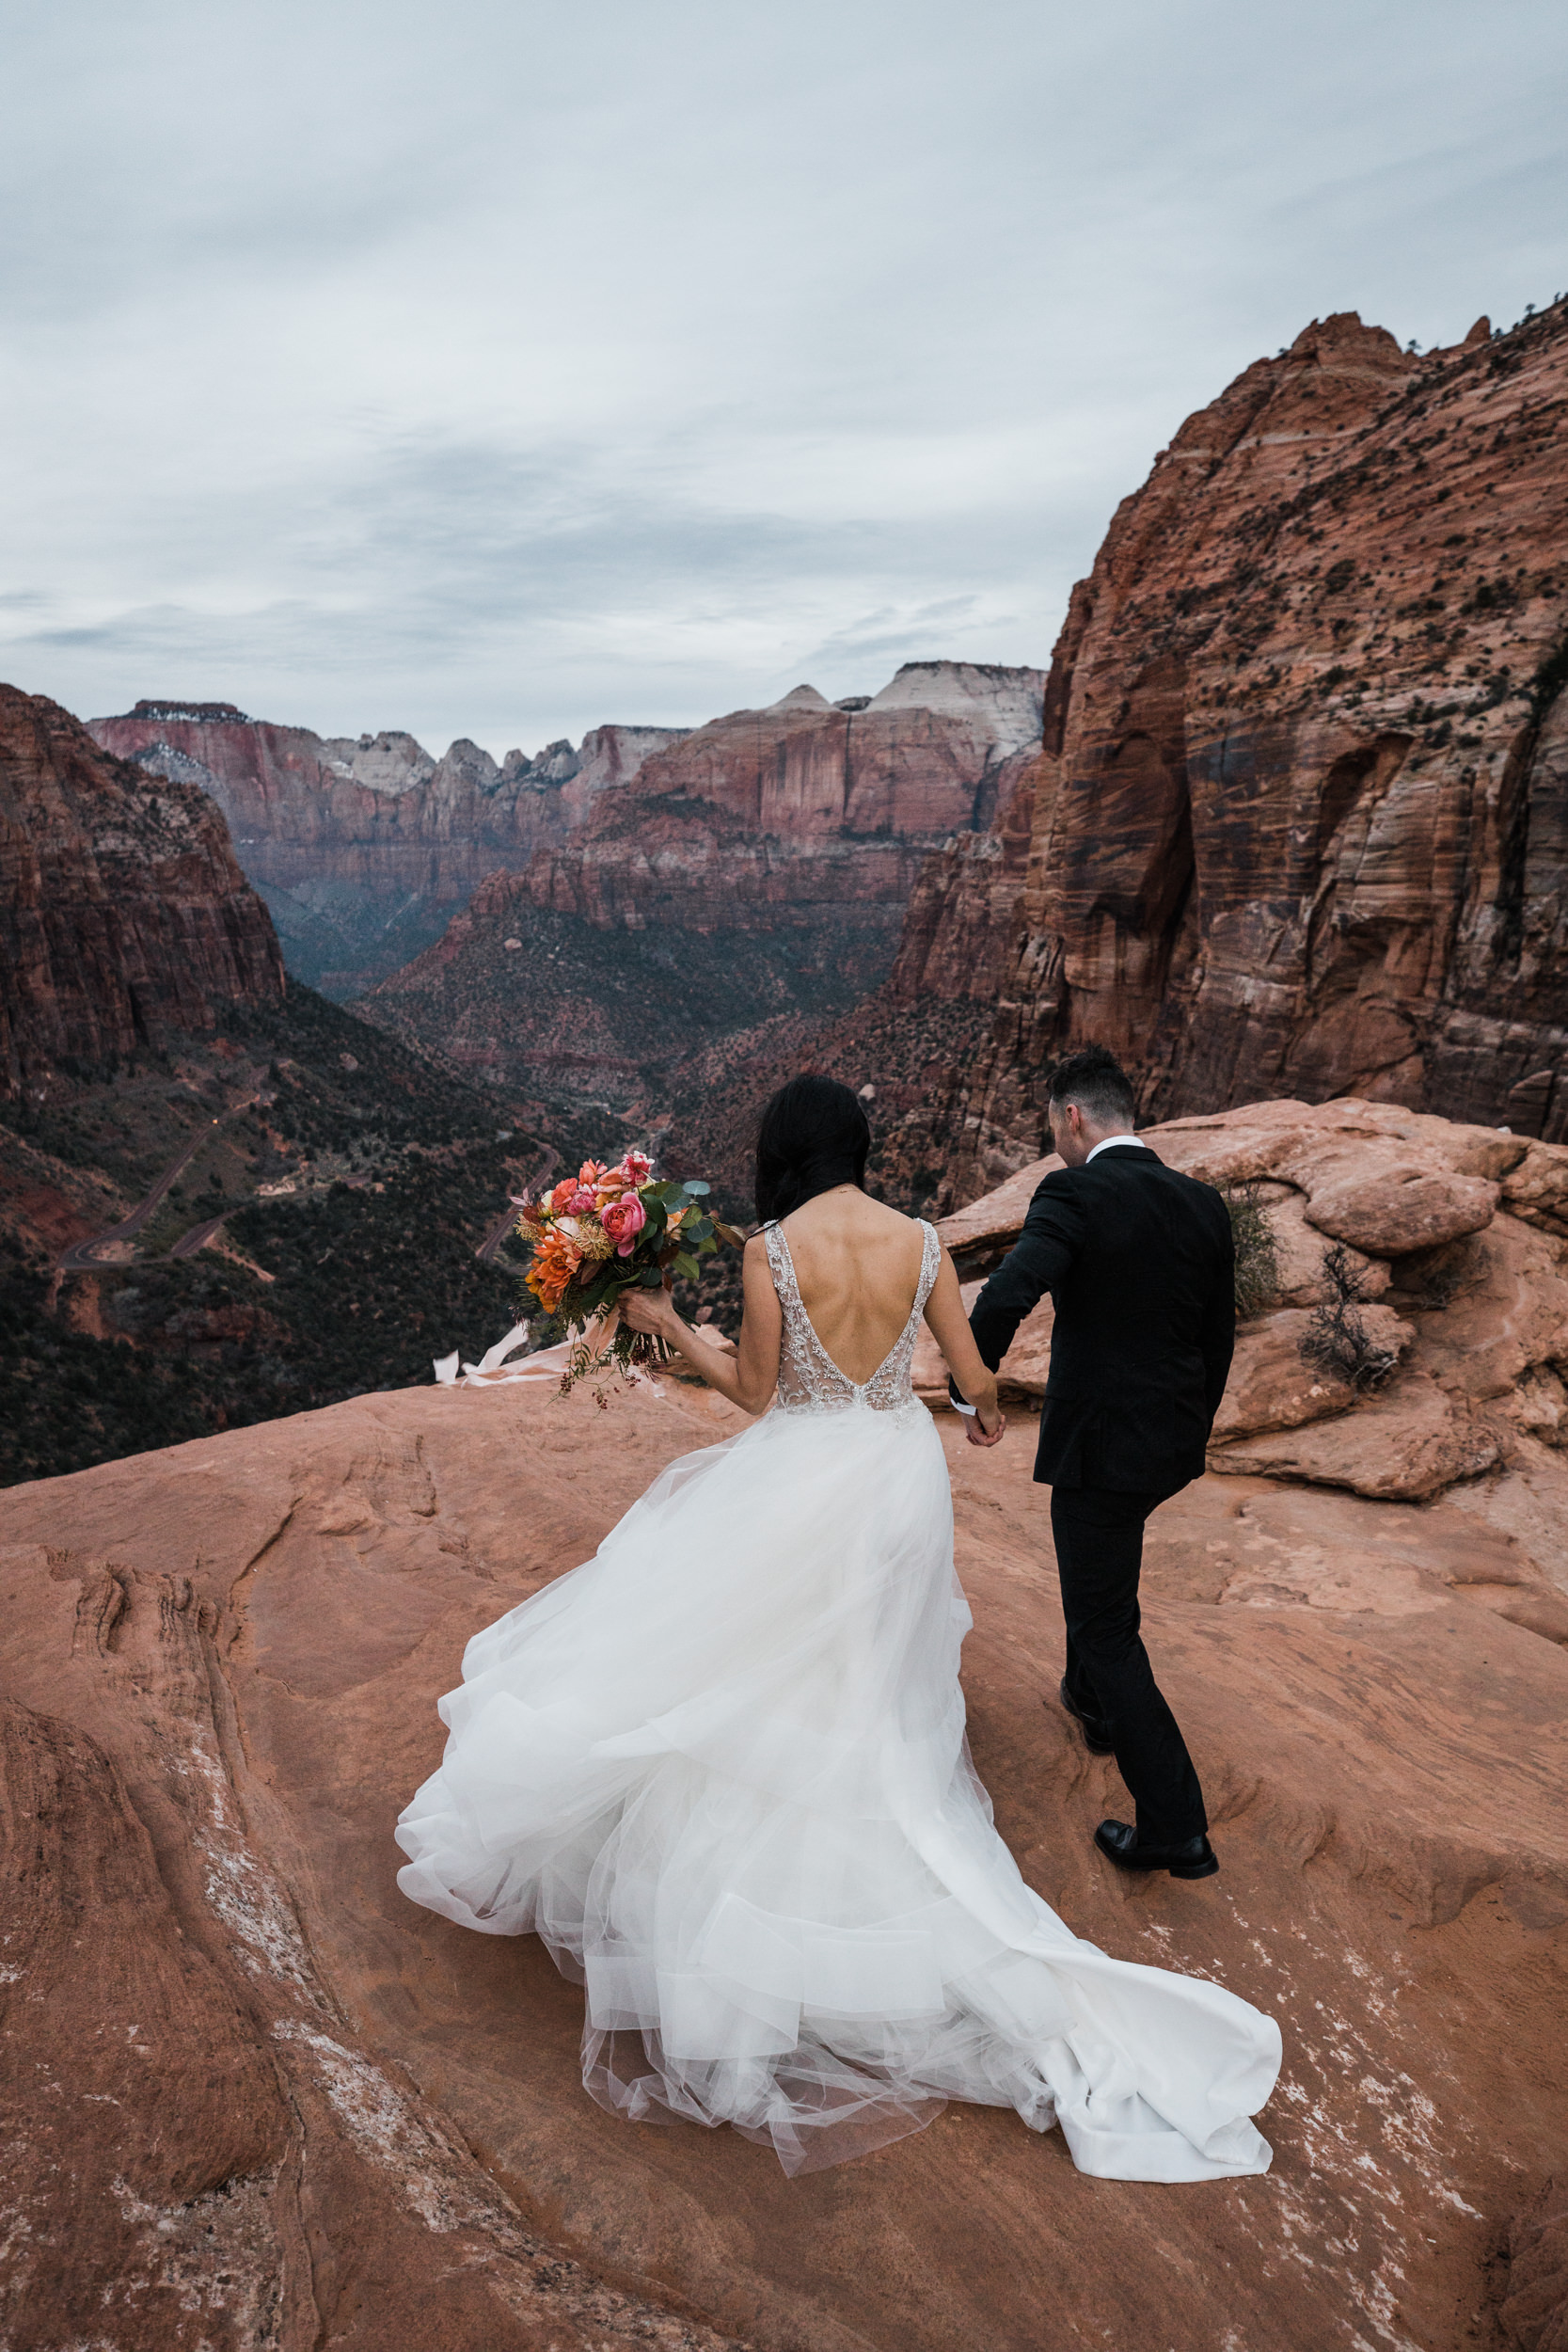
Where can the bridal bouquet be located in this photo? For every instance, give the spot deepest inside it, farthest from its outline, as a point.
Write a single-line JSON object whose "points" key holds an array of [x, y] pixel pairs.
{"points": [[606, 1231]]}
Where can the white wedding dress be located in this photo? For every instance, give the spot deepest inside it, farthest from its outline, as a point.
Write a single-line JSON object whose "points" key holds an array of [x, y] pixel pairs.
{"points": [[721, 1771]]}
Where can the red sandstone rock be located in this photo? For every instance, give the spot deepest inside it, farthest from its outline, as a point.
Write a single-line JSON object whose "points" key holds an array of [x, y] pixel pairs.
{"points": [[373, 825], [1534, 2314], [1392, 1208], [1537, 1189], [1480, 1311], [1299, 827], [356, 2124], [123, 914], [802, 805], [1273, 1386]]}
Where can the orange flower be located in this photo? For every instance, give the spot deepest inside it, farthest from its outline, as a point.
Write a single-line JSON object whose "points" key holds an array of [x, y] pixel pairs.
{"points": [[563, 1193], [555, 1262]]}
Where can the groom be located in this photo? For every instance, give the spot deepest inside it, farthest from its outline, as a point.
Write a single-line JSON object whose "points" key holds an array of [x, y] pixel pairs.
{"points": [[1139, 1261]]}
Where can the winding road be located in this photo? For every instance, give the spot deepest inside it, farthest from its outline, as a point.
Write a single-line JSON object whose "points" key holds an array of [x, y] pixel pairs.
{"points": [[91, 1256]]}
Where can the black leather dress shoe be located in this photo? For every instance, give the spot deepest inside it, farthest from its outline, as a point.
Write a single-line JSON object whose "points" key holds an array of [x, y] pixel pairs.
{"points": [[1120, 1843], [1097, 1735]]}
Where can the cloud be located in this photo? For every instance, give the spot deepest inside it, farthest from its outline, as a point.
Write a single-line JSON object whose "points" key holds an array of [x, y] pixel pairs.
{"points": [[497, 369]]}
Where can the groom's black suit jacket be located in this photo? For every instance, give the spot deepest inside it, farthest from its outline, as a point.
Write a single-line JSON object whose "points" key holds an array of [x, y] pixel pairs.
{"points": [[1139, 1261]]}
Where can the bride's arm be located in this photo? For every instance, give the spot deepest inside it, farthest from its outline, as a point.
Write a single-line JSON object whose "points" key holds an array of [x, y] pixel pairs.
{"points": [[945, 1313], [749, 1376]]}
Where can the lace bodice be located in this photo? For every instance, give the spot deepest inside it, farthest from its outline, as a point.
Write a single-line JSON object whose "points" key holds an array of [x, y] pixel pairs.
{"points": [[809, 1381]]}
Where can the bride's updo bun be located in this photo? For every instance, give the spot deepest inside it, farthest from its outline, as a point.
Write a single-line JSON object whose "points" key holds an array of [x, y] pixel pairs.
{"points": [[815, 1134]]}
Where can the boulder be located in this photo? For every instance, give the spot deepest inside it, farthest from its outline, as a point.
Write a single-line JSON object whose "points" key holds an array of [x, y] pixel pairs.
{"points": [[1299, 1251], [1403, 1442], [1273, 1386], [1534, 2311], [1536, 1191], [1386, 1204], [1506, 1310]]}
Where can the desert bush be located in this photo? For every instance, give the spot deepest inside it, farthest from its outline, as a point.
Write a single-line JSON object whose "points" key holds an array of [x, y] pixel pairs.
{"points": [[1257, 1251], [1337, 1342]]}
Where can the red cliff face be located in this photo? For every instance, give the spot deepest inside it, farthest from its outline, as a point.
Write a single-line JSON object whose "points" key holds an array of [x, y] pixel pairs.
{"points": [[365, 847], [1300, 822], [123, 913], [768, 815]]}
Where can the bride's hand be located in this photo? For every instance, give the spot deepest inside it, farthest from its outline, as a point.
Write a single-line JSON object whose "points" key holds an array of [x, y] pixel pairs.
{"points": [[651, 1311], [977, 1434]]}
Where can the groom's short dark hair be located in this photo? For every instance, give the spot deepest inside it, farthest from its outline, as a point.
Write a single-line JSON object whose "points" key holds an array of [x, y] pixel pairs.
{"points": [[1096, 1081]]}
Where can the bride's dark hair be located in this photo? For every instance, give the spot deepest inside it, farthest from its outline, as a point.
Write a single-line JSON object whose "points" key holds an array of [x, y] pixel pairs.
{"points": [[815, 1134]]}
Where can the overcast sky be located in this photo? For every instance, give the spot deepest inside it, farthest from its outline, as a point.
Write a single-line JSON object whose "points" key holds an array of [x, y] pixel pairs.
{"points": [[497, 369]]}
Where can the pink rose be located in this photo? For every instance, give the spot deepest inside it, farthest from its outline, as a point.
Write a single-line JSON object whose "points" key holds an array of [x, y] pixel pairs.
{"points": [[623, 1220], [580, 1202], [637, 1168]]}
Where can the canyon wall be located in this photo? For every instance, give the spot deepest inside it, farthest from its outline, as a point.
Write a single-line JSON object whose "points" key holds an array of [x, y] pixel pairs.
{"points": [[1299, 823], [364, 848], [770, 817], [747, 883], [124, 913]]}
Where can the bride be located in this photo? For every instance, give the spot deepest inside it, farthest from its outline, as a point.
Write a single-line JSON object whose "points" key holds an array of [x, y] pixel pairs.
{"points": [[720, 1768]]}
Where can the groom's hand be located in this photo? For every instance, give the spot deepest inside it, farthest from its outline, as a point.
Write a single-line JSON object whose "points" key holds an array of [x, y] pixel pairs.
{"points": [[977, 1434]]}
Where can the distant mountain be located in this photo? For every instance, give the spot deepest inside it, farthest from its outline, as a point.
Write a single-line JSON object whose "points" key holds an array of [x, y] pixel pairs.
{"points": [[364, 848], [750, 879]]}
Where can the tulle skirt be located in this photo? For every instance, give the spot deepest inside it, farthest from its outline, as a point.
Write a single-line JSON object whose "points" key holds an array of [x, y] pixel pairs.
{"points": [[721, 1771]]}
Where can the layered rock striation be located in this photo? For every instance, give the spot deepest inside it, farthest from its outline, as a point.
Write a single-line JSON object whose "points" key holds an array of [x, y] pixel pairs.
{"points": [[365, 847], [1299, 822], [124, 916], [746, 884], [768, 817]]}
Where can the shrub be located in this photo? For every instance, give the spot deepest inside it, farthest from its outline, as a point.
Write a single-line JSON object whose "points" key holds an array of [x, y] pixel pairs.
{"points": [[1257, 1251], [1336, 1342]]}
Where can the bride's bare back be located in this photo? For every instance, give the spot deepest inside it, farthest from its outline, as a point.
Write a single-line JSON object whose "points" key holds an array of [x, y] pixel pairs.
{"points": [[856, 1267]]}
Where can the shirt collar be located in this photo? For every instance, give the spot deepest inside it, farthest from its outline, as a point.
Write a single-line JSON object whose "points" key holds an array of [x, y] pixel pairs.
{"points": [[1107, 1141]]}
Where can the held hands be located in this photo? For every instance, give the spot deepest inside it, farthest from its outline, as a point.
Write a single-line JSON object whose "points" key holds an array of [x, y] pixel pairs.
{"points": [[983, 1431]]}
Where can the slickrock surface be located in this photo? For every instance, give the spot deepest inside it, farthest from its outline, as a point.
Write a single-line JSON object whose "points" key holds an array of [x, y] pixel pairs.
{"points": [[366, 846], [123, 914], [257, 2099], [1299, 823]]}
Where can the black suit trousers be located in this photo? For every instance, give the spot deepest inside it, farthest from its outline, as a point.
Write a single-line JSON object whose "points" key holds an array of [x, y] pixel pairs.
{"points": [[1098, 1535]]}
